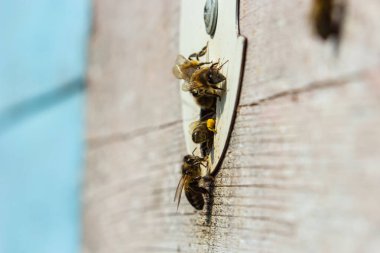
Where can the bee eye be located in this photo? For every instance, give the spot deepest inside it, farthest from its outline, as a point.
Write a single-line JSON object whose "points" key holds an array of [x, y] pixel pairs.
{"points": [[187, 159]]}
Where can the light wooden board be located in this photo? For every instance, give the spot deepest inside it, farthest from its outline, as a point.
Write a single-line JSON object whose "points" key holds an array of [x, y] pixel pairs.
{"points": [[302, 170], [130, 83], [283, 53]]}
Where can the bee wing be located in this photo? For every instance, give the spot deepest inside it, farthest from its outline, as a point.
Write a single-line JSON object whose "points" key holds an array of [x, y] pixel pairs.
{"points": [[194, 125], [187, 86], [177, 67], [179, 189], [180, 60], [177, 72]]}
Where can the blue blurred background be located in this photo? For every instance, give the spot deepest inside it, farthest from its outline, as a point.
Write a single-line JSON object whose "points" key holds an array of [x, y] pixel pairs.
{"points": [[43, 51]]}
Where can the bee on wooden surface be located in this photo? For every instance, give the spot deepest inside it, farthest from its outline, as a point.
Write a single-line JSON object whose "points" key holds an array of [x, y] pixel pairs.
{"points": [[185, 67], [191, 175], [327, 17]]}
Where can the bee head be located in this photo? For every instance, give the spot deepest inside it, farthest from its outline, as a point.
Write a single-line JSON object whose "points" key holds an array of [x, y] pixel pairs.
{"points": [[214, 76], [187, 159]]}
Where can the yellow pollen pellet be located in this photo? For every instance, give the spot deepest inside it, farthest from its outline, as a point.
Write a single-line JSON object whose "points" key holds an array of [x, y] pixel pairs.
{"points": [[211, 125]]}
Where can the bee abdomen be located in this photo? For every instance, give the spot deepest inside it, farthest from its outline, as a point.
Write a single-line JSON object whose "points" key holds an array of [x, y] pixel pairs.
{"points": [[195, 199], [199, 136]]}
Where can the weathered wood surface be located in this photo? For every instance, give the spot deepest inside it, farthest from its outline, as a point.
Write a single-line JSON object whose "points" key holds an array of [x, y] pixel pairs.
{"points": [[302, 171]]}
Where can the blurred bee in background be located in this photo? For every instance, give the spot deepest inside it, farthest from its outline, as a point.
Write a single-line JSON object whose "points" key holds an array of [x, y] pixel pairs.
{"points": [[191, 176], [327, 17]]}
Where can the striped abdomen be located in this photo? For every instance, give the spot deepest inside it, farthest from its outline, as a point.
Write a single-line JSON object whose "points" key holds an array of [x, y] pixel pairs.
{"points": [[194, 198]]}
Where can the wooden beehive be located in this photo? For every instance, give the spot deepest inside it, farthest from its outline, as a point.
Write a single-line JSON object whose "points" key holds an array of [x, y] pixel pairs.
{"points": [[302, 172]]}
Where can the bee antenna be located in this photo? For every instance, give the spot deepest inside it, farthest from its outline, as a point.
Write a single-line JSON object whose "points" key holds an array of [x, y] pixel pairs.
{"points": [[222, 65]]}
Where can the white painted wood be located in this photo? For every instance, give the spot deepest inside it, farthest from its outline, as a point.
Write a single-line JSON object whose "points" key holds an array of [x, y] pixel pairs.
{"points": [[225, 45]]}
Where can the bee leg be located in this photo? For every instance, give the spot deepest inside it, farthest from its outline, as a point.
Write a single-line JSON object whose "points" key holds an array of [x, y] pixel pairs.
{"points": [[205, 166], [199, 54], [210, 94], [204, 160], [202, 52], [214, 64], [208, 178], [193, 55], [204, 63], [212, 130], [216, 87]]}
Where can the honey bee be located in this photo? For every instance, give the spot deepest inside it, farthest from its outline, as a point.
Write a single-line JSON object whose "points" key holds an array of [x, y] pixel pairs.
{"points": [[327, 17], [191, 175], [201, 78]]}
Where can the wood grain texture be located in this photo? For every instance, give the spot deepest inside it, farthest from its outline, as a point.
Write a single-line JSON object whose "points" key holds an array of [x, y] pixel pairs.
{"points": [[130, 70], [283, 53], [302, 170]]}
